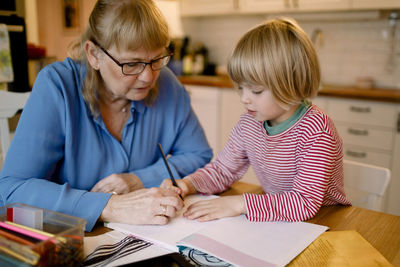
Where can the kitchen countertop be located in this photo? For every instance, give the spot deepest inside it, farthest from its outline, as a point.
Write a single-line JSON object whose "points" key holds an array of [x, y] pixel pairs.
{"points": [[375, 94]]}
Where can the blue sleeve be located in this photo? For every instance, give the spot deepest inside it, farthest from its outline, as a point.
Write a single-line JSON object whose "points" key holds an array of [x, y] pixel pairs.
{"points": [[182, 136], [38, 148]]}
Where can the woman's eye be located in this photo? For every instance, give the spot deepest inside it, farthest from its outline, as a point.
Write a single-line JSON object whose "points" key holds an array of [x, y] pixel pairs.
{"points": [[132, 64]]}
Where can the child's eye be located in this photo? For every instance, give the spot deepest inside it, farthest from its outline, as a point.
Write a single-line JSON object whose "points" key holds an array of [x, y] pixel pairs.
{"points": [[257, 92]]}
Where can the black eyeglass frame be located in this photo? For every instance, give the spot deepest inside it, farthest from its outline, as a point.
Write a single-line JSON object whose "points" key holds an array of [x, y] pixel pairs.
{"points": [[144, 64]]}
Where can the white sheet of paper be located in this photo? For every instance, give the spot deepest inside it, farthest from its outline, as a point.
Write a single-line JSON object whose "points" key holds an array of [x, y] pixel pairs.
{"points": [[241, 242]]}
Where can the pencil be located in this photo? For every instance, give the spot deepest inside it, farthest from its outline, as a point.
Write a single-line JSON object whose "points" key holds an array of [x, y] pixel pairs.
{"points": [[36, 231], [168, 168], [24, 231]]}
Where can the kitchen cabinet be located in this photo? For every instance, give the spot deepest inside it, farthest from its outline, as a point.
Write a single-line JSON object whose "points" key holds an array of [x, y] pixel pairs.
{"points": [[394, 187], [221, 7], [293, 5], [370, 132], [218, 110], [207, 7], [374, 4], [205, 102]]}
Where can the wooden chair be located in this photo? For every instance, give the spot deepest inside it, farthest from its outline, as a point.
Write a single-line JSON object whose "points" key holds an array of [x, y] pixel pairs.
{"points": [[10, 103], [365, 184]]}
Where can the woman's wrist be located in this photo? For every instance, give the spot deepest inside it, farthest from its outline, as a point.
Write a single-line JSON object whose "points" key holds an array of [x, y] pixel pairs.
{"points": [[106, 214]]}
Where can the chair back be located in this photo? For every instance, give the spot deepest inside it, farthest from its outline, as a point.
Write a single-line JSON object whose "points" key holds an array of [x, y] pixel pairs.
{"points": [[365, 184], [10, 103]]}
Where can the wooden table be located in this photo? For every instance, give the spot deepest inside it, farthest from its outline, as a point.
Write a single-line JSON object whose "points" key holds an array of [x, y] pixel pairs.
{"points": [[381, 230]]}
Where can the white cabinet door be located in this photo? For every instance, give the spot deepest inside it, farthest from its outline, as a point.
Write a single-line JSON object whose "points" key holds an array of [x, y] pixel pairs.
{"points": [[370, 134], [315, 5], [207, 7], [264, 6], [375, 4], [206, 105], [231, 109], [257, 6], [394, 185]]}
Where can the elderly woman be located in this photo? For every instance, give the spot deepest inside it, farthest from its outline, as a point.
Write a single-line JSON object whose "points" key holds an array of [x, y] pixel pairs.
{"points": [[86, 143]]}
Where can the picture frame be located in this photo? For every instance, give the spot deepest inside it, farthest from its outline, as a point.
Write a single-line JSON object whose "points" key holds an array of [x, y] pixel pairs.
{"points": [[70, 15]]}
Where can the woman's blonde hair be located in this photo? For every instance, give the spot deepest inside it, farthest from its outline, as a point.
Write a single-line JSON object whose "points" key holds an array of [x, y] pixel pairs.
{"points": [[125, 24], [278, 55]]}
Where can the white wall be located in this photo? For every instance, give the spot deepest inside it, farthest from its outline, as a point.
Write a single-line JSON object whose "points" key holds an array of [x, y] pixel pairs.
{"points": [[350, 48]]}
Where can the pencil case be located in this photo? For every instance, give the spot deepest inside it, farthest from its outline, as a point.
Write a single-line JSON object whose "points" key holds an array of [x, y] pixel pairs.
{"points": [[40, 237]]}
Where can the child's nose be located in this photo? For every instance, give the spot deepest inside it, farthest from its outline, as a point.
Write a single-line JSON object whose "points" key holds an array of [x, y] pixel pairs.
{"points": [[244, 98]]}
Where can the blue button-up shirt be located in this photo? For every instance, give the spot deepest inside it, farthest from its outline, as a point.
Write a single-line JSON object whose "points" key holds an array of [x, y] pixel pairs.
{"points": [[60, 150]]}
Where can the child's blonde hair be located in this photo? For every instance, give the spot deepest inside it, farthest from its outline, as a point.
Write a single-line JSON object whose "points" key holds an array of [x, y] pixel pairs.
{"points": [[125, 24], [278, 55]]}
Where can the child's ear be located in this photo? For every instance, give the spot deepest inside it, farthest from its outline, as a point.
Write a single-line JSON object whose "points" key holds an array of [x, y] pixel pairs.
{"points": [[92, 54]]}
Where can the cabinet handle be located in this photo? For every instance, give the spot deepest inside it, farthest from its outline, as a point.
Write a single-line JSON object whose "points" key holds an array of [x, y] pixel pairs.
{"points": [[357, 131], [286, 3], [356, 154], [296, 3], [398, 123], [360, 109]]}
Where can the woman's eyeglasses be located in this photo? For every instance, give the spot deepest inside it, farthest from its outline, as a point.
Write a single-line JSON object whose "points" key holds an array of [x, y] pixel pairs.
{"points": [[137, 67]]}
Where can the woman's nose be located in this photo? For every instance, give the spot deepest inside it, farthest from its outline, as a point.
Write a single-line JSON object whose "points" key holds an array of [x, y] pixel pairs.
{"points": [[147, 74]]}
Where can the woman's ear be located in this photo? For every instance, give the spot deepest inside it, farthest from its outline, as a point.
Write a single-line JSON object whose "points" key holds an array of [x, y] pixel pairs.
{"points": [[92, 54]]}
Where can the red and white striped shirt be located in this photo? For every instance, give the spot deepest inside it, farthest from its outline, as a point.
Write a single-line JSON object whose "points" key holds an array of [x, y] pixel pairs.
{"points": [[300, 169]]}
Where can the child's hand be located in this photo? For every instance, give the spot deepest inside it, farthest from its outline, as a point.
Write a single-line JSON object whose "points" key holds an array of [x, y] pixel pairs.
{"points": [[185, 186], [207, 210]]}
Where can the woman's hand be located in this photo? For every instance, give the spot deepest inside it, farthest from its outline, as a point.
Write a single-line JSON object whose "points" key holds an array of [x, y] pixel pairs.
{"points": [[185, 186], [207, 210], [118, 184], [145, 206]]}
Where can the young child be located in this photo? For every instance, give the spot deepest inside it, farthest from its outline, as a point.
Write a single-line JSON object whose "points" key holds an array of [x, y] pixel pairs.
{"points": [[292, 145]]}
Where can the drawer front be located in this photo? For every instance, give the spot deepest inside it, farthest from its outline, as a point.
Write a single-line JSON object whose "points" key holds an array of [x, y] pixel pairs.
{"points": [[363, 112], [365, 156], [366, 136]]}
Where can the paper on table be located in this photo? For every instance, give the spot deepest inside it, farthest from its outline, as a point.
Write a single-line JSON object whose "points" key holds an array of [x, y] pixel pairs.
{"points": [[166, 235], [243, 243]]}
